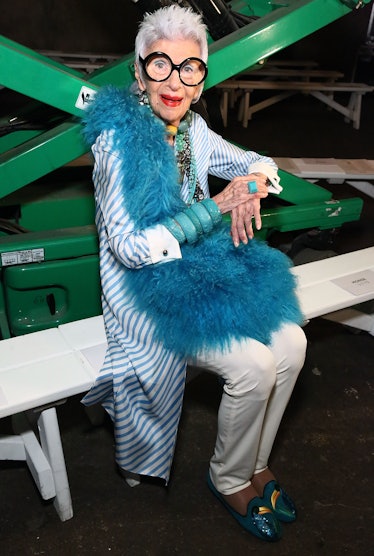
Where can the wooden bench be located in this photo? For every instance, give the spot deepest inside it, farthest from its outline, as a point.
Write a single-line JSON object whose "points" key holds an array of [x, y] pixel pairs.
{"points": [[300, 74], [323, 91], [302, 64], [40, 370], [335, 170], [357, 172]]}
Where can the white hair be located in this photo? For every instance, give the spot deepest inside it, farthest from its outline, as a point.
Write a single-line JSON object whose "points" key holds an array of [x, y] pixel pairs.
{"points": [[171, 23]]}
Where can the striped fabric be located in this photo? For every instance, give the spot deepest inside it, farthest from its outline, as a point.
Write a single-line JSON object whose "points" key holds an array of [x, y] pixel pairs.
{"points": [[141, 384]]}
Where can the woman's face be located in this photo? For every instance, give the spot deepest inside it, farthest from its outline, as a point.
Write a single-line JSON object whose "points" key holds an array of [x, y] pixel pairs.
{"points": [[170, 99]]}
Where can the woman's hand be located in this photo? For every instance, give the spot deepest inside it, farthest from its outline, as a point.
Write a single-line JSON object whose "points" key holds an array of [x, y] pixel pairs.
{"points": [[244, 206], [241, 221], [236, 192]]}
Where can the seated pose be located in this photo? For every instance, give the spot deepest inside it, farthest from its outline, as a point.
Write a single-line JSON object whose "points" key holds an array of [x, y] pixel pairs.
{"points": [[181, 284]]}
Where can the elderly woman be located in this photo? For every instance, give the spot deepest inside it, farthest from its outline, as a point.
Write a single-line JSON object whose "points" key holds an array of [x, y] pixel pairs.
{"points": [[182, 285]]}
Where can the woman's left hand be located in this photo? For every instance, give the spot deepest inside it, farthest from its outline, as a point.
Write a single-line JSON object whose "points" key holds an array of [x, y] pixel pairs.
{"points": [[241, 221]]}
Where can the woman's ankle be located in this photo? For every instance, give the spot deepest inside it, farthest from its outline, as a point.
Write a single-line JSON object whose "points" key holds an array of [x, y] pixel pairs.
{"points": [[259, 480], [239, 500]]}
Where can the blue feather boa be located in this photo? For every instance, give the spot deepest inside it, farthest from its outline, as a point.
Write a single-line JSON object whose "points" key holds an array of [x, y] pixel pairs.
{"points": [[216, 293]]}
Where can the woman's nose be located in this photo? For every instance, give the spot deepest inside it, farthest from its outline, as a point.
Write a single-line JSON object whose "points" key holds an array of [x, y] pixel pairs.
{"points": [[174, 79]]}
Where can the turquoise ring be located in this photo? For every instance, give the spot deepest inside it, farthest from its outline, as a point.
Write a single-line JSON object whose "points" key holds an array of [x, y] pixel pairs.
{"points": [[252, 187]]}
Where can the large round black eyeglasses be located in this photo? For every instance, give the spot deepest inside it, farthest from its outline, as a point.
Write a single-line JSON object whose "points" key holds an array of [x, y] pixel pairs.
{"points": [[158, 66]]}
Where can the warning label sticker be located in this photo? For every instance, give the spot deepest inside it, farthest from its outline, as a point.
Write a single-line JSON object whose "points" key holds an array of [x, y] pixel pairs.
{"points": [[22, 257]]}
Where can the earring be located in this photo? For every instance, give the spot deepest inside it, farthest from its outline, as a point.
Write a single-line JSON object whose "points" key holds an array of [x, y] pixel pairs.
{"points": [[143, 98]]}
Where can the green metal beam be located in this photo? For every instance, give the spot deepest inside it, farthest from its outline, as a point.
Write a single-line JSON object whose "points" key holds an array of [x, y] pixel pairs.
{"points": [[269, 34], [38, 77], [12, 140], [40, 156], [27, 52], [297, 191], [322, 215], [52, 83]]}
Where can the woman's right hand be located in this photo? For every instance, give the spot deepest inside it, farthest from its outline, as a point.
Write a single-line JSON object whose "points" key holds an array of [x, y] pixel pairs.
{"points": [[236, 192], [242, 219]]}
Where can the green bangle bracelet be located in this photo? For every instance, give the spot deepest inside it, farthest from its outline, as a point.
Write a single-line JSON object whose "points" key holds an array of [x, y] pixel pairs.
{"points": [[187, 226], [213, 210], [203, 215], [196, 222], [175, 229]]}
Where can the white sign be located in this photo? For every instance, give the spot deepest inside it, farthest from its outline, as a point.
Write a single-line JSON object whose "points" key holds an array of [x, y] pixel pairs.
{"points": [[86, 95], [359, 283]]}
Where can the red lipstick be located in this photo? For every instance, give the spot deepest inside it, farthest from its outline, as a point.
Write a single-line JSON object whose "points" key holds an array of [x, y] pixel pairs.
{"points": [[171, 101]]}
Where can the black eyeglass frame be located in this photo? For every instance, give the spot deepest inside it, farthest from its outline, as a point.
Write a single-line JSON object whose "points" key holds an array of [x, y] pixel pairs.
{"points": [[177, 67]]}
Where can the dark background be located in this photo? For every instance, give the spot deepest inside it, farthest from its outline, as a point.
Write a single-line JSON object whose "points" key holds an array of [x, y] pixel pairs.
{"points": [[110, 27]]}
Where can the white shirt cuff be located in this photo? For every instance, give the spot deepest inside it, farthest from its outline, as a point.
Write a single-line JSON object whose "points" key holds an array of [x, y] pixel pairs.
{"points": [[271, 173], [163, 246]]}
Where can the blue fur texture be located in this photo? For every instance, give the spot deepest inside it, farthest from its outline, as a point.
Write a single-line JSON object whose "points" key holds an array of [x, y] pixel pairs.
{"points": [[216, 293], [150, 174]]}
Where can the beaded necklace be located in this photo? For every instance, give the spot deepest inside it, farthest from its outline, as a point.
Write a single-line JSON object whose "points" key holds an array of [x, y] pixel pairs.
{"points": [[187, 166], [185, 156]]}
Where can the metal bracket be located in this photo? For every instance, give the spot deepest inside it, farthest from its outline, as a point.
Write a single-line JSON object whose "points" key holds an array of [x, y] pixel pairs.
{"points": [[353, 4]]}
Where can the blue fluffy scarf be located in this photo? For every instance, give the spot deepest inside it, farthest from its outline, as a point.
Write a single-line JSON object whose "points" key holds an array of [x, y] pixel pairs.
{"points": [[215, 293]]}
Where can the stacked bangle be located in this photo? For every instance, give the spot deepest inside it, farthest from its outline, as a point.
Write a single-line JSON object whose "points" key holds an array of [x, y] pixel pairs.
{"points": [[189, 224], [175, 229], [196, 222], [203, 216], [213, 210]]}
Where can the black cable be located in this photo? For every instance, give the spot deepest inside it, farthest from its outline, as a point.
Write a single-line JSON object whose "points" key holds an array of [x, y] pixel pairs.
{"points": [[12, 228]]}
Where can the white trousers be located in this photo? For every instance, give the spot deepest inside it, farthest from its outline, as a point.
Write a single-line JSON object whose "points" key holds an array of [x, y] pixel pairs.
{"points": [[258, 382]]}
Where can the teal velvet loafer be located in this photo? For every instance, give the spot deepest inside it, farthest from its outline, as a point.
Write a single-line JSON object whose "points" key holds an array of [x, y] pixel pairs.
{"points": [[279, 502], [259, 520]]}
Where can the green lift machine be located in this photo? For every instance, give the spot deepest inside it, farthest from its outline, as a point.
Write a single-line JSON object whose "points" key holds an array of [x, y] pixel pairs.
{"points": [[48, 243]]}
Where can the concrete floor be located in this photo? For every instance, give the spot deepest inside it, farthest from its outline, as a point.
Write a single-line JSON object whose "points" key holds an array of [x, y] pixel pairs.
{"points": [[322, 454]]}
